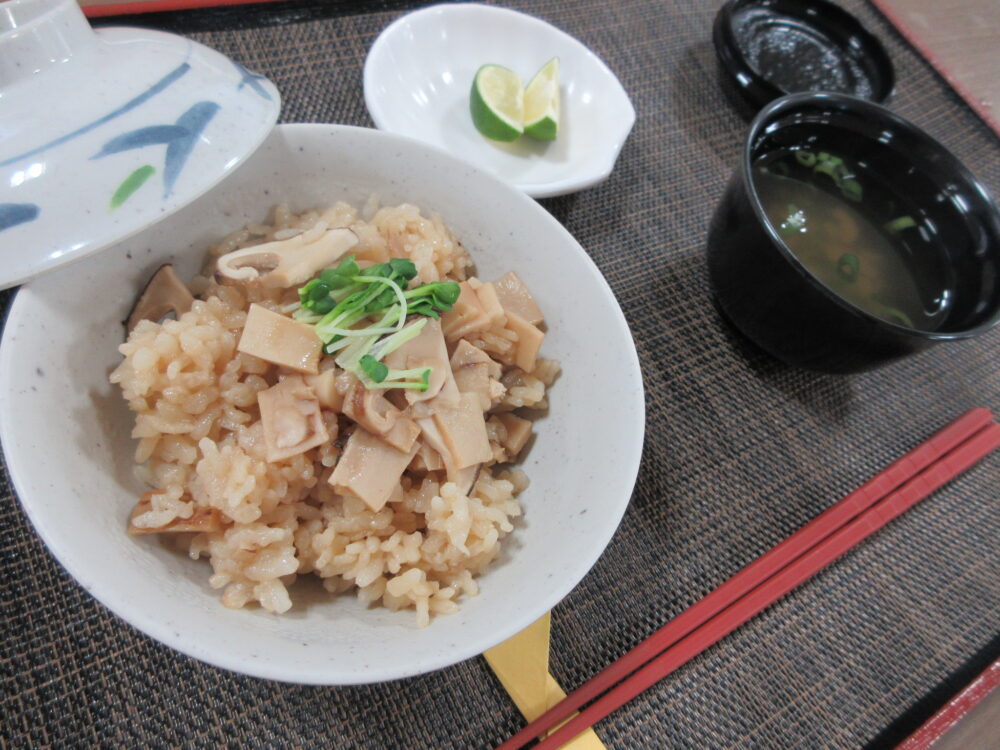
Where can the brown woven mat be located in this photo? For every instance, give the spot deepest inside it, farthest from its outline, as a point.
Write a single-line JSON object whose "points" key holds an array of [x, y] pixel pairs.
{"points": [[740, 451]]}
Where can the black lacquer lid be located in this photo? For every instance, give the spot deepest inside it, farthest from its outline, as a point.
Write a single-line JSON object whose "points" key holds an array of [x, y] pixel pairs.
{"points": [[769, 48]]}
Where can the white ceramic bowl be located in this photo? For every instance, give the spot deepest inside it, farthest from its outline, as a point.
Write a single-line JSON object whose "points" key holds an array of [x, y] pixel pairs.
{"points": [[419, 73], [65, 430], [104, 133]]}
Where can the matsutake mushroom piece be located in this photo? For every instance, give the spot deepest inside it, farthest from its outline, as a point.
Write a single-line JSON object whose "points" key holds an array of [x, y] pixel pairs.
{"points": [[374, 413], [285, 263], [489, 301], [529, 341], [518, 433], [427, 348], [370, 468], [289, 414], [165, 293], [279, 339], [324, 386], [202, 520], [466, 315], [515, 298], [475, 372], [463, 430], [427, 459]]}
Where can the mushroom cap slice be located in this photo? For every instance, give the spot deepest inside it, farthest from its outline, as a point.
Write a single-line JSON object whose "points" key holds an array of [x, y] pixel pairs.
{"points": [[286, 263], [164, 293], [278, 339], [290, 416], [370, 468]]}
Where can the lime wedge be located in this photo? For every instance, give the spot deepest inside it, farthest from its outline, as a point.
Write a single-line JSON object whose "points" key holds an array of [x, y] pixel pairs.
{"points": [[541, 103], [497, 103]]}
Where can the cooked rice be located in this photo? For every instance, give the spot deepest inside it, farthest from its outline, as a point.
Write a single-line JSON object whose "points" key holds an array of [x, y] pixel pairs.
{"points": [[201, 446]]}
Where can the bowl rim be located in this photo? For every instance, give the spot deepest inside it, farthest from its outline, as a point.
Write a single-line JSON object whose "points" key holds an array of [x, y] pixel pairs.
{"points": [[547, 189], [146, 620], [758, 90], [874, 111]]}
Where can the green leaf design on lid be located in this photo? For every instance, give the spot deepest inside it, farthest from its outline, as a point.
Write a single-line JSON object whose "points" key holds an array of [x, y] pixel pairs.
{"points": [[130, 184]]}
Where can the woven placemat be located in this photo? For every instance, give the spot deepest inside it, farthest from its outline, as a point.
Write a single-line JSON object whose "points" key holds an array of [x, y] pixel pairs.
{"points": [[740, 451]]}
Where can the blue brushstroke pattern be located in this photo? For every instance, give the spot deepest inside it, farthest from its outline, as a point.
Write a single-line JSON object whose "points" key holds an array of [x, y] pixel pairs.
{"points": [[149, 93], [154, 135], [12, 214], [252, 80], [194, 122]]}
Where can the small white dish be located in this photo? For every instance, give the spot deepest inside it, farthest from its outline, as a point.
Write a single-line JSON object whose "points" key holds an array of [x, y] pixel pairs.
{"points": [[107, 132], [65, 430], [419, 73]]}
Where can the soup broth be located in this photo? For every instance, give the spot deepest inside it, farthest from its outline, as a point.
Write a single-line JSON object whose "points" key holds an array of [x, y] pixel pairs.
{"points": [[817, 206]]}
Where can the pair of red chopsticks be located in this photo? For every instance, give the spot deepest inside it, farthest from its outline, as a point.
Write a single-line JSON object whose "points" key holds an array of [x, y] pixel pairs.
{"points": [[859, 515]]}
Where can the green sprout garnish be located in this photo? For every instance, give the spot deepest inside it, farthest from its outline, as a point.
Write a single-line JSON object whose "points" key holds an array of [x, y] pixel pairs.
{"points": [[851, 189], [353, 308], [382, 376], [898, 225], [805, 158], [835, 169]]}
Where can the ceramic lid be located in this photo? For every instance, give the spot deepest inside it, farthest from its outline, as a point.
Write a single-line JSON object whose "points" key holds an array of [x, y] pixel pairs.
{"points": [[106, 132]]}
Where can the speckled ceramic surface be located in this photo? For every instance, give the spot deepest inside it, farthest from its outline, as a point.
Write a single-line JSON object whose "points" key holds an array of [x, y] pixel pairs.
{"points": [[418, 75], [106, 132], [65, 430]]}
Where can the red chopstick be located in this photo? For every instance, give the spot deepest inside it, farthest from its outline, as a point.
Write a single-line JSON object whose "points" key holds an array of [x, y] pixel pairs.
{"points": [[123, 7], [940, 473], [768, 592], [822, 527]]}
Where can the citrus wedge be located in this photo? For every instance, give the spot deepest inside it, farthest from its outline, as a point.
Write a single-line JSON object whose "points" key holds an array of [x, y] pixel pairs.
{"points": [[541, 103], [497, 103]]}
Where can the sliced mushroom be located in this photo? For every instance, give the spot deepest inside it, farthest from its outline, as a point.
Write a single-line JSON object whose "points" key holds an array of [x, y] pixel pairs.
{"points": [[324, 386], [370, 410], [203, 520], [428, 346], [475, 372], [431, 435], [518, 433], [287, 263], [515, 298], [165, 293], [289, 414], [370, 468], [490, 302], [463, 429], [529, 341], [467, 354], [376, 414], [279, 339], [403, 434], [427, 459], [466, 315]]}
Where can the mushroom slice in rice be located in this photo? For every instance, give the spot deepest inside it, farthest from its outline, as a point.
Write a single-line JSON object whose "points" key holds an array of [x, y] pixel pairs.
{"points": [[285, 263], [203, 520], [165, 293], [370, 468], [376, 414], [518, 433], [289, 414], [280, 340], [515, 298]]}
